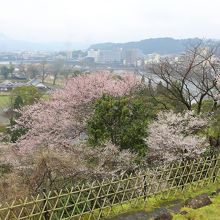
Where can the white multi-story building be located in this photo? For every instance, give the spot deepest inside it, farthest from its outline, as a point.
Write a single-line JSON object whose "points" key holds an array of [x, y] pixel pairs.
{"points": [[117, 55], [109, 56], [131, 56], [93, 54], [69, 55], [153, 58]]}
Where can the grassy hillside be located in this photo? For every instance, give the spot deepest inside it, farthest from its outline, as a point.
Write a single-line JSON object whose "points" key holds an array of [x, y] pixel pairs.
{"points": [[211, 212]]}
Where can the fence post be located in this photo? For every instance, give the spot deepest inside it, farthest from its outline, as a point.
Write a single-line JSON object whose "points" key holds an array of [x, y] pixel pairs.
{"points": [[45, 211], [145, 187], [216, 167]]}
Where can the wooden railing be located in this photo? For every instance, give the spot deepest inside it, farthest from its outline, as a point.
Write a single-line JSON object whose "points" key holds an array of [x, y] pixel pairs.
{"points": [[97, 200]]}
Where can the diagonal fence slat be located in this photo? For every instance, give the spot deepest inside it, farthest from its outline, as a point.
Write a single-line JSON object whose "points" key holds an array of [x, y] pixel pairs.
{"points": [[101, 199]]}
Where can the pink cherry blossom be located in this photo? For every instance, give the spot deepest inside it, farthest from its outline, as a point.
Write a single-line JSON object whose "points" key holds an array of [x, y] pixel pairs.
{"points": [[57, 123]]}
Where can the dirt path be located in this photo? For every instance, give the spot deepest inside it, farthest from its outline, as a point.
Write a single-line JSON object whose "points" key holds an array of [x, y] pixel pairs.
{"points": [[134, 216]]}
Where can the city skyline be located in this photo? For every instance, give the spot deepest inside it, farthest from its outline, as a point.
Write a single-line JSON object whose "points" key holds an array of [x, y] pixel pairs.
{"points": [[96, 21]]}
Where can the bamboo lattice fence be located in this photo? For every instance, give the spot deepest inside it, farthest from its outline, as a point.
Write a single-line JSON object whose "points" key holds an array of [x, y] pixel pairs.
{"points": [[97, 200]]}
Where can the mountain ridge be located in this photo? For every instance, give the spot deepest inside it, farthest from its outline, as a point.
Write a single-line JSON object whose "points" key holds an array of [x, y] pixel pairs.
{"points": [[166, 45]]}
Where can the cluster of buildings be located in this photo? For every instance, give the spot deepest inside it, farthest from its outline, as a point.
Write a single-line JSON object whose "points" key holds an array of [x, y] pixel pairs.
{"points": [[117, 56], [25, 55], [128, 57], [34, 56], [7, 85]]}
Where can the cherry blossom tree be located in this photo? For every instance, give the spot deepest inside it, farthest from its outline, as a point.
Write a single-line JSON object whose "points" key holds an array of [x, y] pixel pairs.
{"points": [[48, 169], [57, 123], [177, 136], [51, 169]]}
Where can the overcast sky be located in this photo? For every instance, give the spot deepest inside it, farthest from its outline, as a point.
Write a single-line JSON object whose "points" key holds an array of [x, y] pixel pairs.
{"points": [[108, 20]]}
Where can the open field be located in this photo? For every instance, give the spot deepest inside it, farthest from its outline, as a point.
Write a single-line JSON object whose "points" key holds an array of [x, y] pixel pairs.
{"points": [[4, 100], [4, 103]]}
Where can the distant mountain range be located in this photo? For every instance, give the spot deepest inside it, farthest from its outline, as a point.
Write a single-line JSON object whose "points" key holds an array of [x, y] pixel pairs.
{"points": [[147, 46], [152, 45], [8, 44]]}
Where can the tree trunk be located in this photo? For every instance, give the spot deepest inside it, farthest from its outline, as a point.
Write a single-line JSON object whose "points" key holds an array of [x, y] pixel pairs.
{"points": [[54, 79]]}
